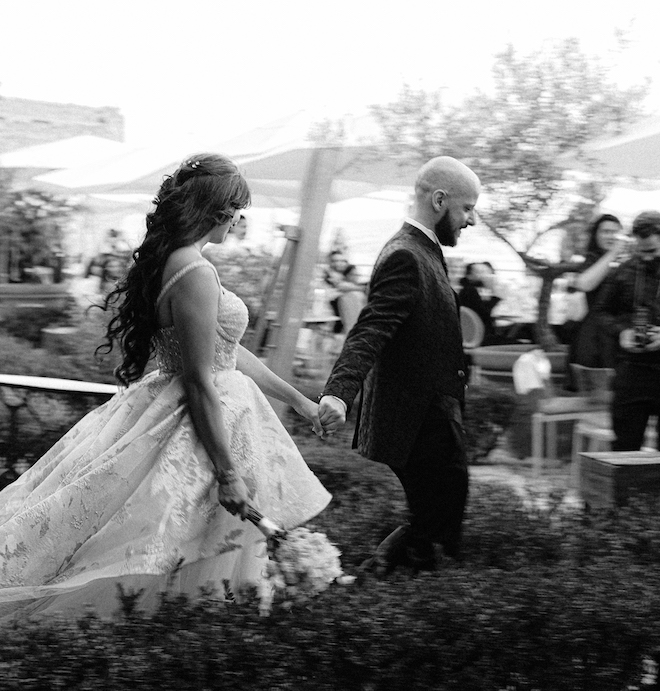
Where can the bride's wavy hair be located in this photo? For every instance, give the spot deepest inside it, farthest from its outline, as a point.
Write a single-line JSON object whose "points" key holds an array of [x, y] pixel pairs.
{"points": [[202, 193]]}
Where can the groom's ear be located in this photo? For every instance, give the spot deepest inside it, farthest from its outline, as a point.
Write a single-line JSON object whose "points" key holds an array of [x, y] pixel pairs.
{"points": [[439, 197]]}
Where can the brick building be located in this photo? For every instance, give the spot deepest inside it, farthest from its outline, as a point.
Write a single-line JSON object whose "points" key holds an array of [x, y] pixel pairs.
{"points": [[24, 122]]}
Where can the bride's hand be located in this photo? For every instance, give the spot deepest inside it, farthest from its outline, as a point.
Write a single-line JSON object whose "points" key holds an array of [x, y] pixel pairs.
{"points": [[232, 493], [310, 411]]}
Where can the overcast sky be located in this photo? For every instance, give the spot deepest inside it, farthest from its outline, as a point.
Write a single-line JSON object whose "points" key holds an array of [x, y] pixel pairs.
{"points": [[217, 67]]}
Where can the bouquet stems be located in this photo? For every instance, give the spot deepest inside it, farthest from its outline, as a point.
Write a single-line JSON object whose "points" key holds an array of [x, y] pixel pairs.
{"points": [[265, 525]]}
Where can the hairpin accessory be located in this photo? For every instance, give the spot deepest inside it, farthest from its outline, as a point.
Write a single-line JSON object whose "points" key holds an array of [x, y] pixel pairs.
{"points": [[192, 163]]}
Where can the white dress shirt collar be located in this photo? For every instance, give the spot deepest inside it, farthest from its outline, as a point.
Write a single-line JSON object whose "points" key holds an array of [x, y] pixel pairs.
{"points": [[429, 233]]}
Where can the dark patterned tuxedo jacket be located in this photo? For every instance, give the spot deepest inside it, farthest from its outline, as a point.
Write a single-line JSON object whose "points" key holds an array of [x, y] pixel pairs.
{"points": [[405, 350]]}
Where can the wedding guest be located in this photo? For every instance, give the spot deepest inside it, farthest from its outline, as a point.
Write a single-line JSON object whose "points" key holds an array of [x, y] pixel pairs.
{"points": [[478, 294], [405, 354], [591, 345], [347, 295], [239, 232], [149, 490], [629, 308]]}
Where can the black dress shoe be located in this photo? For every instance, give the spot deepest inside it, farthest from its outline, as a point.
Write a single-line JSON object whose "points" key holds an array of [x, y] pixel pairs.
{"points": [[375, 566], [452, 549], [393, 547], [399, 548], [420, 553], [380, 567], [420, 561], [389, 554]]}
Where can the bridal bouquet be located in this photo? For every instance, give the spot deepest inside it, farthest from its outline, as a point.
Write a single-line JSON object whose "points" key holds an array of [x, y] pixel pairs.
{"points": [[301, 564]]}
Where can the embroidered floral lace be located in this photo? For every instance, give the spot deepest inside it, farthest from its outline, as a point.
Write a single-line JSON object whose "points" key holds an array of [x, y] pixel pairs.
{"points": [[130, 491]]}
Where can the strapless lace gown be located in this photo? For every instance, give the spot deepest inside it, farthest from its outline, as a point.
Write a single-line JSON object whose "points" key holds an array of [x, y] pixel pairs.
{"points": [[128, 495]]}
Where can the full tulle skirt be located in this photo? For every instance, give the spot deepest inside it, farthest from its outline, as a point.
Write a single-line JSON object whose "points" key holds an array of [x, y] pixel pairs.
{"points": [[128, 497]]}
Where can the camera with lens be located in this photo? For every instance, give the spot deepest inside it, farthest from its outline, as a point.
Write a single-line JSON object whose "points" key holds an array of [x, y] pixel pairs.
{"points": [[641, 327]]}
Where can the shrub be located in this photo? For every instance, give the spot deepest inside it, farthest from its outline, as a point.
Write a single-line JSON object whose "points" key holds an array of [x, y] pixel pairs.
{"points": [[72, 358], [27, 322], [31, 422], [33, 226], [245, 271], [546, 599]]}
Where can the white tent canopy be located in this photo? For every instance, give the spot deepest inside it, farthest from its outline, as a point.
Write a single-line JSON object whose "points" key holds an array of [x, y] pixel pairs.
{"points": [[635, 153], [280, 161], [627, 203], [73, 152], [274, 158]]}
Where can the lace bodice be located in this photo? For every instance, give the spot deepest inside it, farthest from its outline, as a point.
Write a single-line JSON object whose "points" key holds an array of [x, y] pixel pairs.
{"points": [[232, 322]]}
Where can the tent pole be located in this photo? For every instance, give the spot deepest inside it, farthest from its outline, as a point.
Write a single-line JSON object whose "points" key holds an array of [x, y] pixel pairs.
{"points": [[295, 302]]}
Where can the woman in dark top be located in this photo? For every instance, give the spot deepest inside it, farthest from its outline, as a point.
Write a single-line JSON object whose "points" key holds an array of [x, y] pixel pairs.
{"points": [[591, 347], [477, 293], [348, 296]]}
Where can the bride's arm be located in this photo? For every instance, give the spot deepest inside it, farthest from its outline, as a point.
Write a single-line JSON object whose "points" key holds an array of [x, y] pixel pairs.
{"points": [[194, 307], [272, 385]]}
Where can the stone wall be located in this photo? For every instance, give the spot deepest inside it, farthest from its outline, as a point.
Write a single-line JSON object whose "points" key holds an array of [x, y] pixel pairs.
{"points": [[24, 122]]}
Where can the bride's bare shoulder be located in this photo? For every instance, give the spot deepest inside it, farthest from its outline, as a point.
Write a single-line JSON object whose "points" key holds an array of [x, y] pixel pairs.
{"points": [[180, 258]]}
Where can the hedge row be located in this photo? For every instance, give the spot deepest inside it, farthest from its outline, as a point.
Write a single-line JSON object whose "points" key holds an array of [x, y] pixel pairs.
{"points": [[549, 599]]}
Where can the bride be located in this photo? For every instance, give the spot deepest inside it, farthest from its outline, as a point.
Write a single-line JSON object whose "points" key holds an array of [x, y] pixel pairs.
{"points": [[150, 490]]}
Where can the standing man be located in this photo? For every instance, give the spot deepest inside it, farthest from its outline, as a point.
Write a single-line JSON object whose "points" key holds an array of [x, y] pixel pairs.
{"points": [[405, 352], [629, 309]]}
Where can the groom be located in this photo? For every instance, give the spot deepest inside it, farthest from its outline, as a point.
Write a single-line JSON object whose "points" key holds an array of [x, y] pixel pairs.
{"points": [[405, 352]]}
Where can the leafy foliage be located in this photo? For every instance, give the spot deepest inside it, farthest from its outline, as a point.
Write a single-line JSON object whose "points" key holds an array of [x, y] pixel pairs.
{"points": [[72, 358], [245, 271], [32, 227], [30, 423], [26, 322], [545, 598]]}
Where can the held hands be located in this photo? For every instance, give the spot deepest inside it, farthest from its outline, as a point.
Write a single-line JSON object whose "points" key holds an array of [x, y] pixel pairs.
{"points": [[332, 414], [232, 493], [310, 411]]}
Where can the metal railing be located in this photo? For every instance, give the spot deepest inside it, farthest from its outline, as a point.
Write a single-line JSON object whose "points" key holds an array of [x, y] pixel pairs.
{"points": [[35, 412]]}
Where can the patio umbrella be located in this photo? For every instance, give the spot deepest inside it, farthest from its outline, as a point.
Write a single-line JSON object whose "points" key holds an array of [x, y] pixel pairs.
{"points": [[274, 159], [280, 161], [635, 153], [73, 152]]}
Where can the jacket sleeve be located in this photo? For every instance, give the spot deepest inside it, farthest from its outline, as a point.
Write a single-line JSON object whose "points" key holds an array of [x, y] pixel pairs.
{"points": [[393, 292], [611, 313]]}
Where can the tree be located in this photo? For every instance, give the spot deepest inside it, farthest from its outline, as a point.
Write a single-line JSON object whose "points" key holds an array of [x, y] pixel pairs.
{"points": [[542, 105], [31, 229]]}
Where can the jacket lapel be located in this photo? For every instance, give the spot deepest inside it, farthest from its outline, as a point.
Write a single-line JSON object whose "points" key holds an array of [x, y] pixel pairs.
{"points": [[427, 243]]}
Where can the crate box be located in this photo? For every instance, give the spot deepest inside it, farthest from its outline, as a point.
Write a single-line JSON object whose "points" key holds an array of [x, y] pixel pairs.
{"points": [[610, 478]]}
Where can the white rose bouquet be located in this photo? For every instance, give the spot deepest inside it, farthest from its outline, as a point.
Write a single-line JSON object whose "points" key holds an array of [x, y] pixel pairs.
{"points": [[301, 563]]}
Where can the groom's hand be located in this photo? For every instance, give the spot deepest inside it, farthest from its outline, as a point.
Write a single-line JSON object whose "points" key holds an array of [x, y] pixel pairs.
{"points": [[332, 413]]}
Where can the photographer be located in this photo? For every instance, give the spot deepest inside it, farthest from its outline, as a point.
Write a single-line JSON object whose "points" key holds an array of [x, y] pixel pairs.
{"points": [[629, 308]]}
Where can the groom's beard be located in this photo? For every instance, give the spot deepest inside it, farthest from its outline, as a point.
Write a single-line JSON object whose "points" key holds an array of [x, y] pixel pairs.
{"points": [[444, 230]]}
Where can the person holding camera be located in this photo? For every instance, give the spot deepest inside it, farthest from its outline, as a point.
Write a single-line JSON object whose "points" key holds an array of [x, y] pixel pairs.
{"points": [[629, 308]]}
